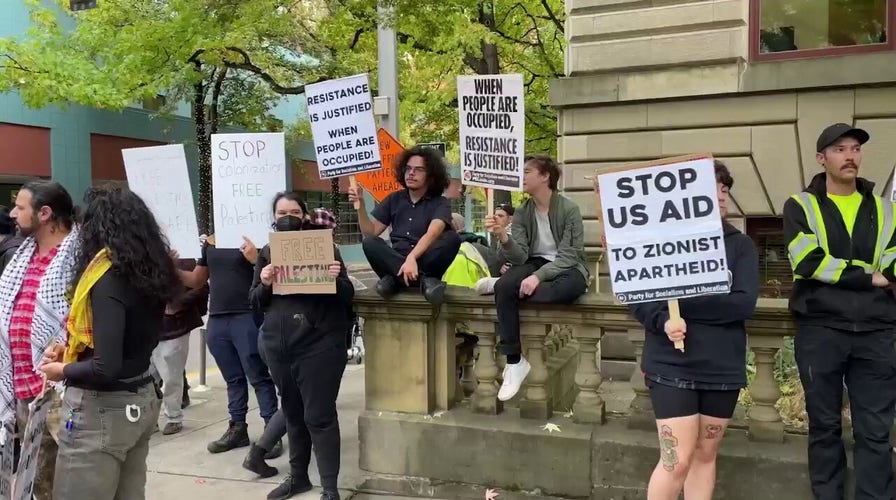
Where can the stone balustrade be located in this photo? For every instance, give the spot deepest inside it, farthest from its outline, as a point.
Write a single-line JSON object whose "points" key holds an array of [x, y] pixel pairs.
{"points": [[414, 364]]}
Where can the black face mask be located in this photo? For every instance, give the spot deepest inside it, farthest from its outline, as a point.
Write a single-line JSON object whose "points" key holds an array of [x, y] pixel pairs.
{"points": [[289, 223]]}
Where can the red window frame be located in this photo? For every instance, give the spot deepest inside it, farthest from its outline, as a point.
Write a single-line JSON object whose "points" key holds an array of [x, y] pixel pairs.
{"points": [[755, 55]]}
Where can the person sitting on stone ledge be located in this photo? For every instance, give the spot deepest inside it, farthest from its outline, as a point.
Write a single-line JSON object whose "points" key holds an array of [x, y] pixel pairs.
{"points": [[547, 258], [694, 392], [423, 242]]}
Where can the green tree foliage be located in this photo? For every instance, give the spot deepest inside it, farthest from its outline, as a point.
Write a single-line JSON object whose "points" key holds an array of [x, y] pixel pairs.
{"points": [[231, 59]]}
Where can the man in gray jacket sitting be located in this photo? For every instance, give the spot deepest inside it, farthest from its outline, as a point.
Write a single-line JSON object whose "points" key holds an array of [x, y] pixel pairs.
{"points": [[546, 254]]}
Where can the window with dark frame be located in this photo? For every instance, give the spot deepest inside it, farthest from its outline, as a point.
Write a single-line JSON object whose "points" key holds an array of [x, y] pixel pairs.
{"points": [[793, 29], [775, 274]]}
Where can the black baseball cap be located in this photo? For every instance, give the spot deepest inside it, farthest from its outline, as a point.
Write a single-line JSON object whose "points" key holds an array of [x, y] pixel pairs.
{"points": [[831, 134]]}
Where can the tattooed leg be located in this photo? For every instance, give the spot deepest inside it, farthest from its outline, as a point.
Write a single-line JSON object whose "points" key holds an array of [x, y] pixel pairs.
{"points": [[668, 448], [713, 431]]}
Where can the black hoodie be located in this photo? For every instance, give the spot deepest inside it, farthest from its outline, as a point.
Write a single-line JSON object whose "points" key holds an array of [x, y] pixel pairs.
{"points": [[716, 340]]}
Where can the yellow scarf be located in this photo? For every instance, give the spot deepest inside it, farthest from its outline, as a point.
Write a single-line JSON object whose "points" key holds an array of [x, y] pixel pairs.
{"points": [[80, 318]]}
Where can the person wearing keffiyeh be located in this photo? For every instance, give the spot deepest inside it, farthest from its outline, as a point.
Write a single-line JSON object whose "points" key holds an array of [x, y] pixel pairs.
{"points": [[33, 308]]}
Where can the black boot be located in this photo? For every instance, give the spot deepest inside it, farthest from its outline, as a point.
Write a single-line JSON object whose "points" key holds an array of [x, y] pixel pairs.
{"points": [[255, 462], [275, 452], [330, 495], [289, 487], [433, 290], [236, 436], [387, 286]]}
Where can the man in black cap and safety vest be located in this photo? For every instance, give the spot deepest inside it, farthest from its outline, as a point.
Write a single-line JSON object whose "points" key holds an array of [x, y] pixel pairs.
{"points": [[842, 251]]}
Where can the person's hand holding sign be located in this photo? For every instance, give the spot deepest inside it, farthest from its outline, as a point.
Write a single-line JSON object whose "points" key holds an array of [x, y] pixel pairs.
{"points": [[267, 275], [355, 197], [408, 271], [675, 329], [249, 250], [335, 269], [492, 226], [528, 286]]}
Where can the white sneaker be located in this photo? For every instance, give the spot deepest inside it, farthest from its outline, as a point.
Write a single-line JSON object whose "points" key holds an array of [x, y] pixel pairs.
{"points": [[486, 286], [514, 375]]}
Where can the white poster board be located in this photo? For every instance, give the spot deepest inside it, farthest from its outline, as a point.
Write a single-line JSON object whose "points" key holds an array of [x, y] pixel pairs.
{"points": [[7, 459], [34, 433], [343, 126], [158, 174], [664, 231], [492, 131], [248, 170]]}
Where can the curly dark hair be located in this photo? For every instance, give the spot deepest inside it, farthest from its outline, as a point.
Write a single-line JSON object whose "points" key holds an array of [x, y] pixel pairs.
{"points": [[118, 219], [436, 170], [723, 175]]}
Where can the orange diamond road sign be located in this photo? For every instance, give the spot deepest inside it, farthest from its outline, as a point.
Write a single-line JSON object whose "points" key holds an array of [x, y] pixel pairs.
{"points": [[380, 183]]}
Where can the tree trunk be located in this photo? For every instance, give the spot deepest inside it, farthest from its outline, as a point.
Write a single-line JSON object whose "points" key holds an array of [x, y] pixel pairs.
{"points": [[204, 143]]}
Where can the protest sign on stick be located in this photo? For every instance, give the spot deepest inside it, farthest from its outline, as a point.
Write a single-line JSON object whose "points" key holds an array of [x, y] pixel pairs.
{"points": [[158, 174], [343, 127], [247, 171], [663, 231], [23, 485], [301, 261]]}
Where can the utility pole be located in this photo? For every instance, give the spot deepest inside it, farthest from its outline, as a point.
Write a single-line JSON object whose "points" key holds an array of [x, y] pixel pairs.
{"points": [[386, 103]]}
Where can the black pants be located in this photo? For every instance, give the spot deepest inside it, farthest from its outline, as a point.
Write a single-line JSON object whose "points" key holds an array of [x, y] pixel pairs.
{"points": [[867, 363], [386, 261], [564, 289], [309, 386]]}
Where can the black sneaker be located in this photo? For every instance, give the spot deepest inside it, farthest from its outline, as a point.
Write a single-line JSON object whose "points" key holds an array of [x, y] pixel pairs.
{"points": [[172, 428], [289, 487], [329, 495], [275, 452], [387, 286], [236, 436], [433, 290], [254, 462]]}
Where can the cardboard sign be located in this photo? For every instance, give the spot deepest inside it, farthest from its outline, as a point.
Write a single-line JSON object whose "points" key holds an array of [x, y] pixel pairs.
{"points": [[380, 183], [34, 433], [343, 126], [301, 261], [158, 174], [492, 130], [663, 230], [247, 171], [7, 459]]}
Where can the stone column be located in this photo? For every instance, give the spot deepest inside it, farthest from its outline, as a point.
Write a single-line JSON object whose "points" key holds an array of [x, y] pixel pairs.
{"points": [[589, 407], [763, 419], [536, 403], [468, 381], [485, 397], [641, 409]]}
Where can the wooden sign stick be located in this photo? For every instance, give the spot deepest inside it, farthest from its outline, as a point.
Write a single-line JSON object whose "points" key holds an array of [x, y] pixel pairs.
{"points": [[675, 315]]}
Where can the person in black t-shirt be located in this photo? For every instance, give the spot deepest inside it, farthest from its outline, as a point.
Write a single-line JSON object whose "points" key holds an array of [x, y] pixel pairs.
{"points": [[124, 278], [423, 242], [233, 337], [694, 393]]}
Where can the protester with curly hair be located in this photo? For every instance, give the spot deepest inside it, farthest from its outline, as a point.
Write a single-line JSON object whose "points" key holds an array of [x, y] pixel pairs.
{"points": [[419, 217], [124, 278]]}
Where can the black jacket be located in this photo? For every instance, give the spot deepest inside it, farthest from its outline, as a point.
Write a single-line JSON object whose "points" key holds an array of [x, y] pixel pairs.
{"points": [[715, 344], [8, 248], [184, 313], [846, 301], [300, 325]]}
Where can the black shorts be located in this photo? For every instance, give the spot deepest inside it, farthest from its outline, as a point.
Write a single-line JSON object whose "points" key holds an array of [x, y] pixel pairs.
{"points": [[672, 402]]}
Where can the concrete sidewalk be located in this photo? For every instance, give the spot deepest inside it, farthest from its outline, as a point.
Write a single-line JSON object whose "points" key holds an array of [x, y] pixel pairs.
{"points": [[181, 467]]}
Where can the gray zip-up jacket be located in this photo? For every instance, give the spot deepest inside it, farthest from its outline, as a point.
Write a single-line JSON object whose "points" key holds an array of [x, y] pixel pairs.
{"points": [[568, 232]]}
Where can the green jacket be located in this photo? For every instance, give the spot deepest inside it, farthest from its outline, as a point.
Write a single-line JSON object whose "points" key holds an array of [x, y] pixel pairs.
{"points": [[568, 231]]}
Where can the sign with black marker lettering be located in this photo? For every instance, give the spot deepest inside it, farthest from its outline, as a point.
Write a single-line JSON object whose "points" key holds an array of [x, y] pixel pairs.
{"points": [[301, 261], [663, 230], [158, 174], [492, 130], [31, 439], [342, 123], [247, 171]]}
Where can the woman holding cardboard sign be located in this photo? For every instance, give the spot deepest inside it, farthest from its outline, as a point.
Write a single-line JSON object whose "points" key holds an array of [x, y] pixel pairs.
{"points": [[694, 392], [303, 340]]}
